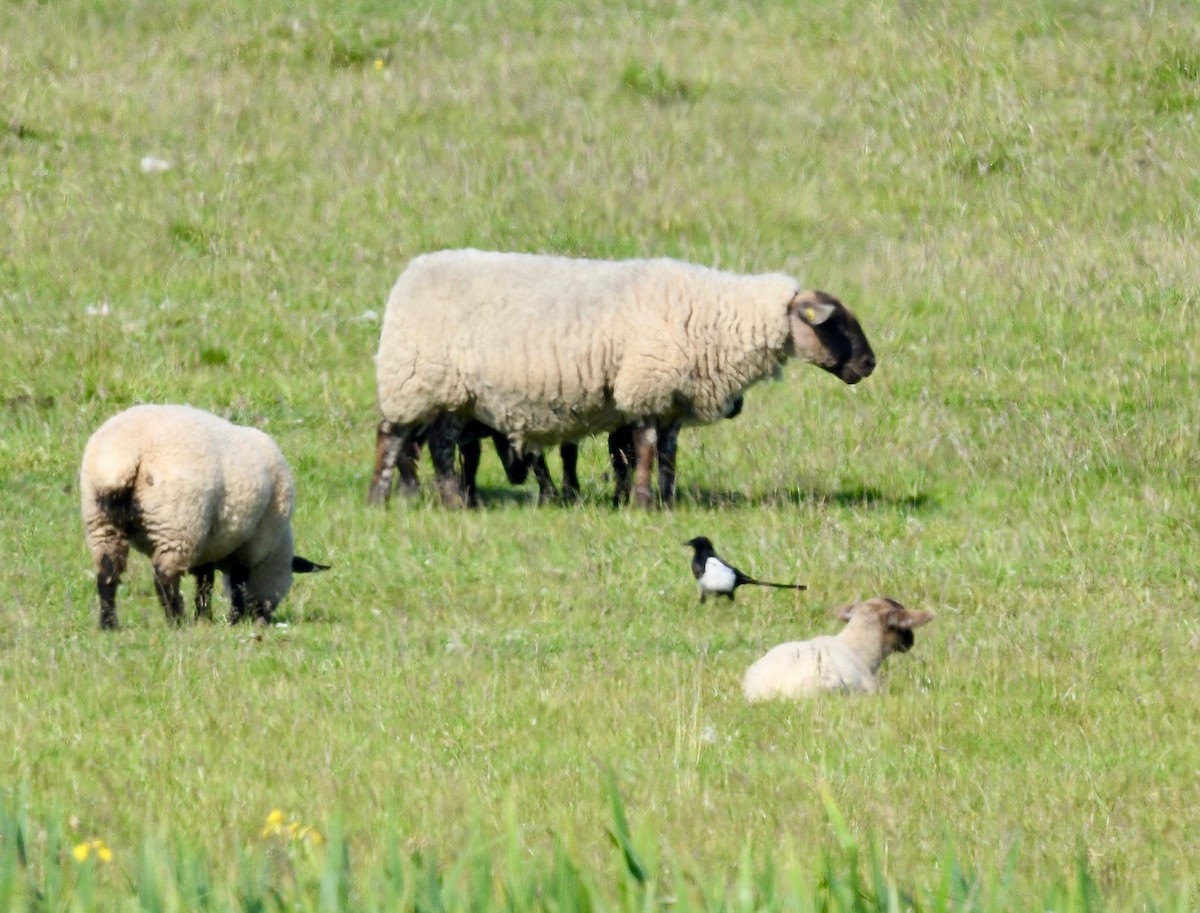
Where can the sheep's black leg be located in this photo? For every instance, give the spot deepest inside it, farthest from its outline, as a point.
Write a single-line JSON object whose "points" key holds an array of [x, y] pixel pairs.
{"points": [[238, 578], [668, 440], [569, 451], [620, 454], [264, 612], [469, 451], [107, 580], [645, 439], [392, 445], [166, 584], [406, 466], [444, 435], [204, 575], [547, 490]]}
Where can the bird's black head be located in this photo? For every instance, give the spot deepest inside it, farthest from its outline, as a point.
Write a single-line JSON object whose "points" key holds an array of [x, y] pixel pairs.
{"points": [[700, 543]]}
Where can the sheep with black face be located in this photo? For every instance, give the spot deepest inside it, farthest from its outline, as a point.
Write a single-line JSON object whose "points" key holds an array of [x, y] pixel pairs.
{"points": [[549, 349]]}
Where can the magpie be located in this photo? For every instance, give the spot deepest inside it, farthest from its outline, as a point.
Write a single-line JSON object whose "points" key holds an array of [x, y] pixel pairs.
{"points": [[720, 578]]}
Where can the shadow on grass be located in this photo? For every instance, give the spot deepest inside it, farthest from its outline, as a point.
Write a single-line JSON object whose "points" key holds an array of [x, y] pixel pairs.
{"points": [[861, 497]]}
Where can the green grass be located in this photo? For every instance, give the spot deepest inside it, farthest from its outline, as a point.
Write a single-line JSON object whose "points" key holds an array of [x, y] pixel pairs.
{"points": [[1008, 196]]}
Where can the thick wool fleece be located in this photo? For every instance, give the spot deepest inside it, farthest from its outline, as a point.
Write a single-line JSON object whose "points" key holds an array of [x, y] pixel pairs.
{"points": [[202, 491], [550, 348], [846, 661]]}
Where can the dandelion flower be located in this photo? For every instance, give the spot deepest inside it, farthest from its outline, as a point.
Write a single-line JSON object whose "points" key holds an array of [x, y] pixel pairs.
{"points": [[378, 63], [274, 823], [82, 851]]}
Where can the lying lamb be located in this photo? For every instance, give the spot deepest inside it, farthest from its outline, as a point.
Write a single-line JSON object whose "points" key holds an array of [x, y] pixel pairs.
{"points": [[847, 661], [551, 349], [196, 494]]}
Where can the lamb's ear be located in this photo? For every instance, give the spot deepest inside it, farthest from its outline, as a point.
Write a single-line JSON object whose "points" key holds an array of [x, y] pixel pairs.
{"points": [[845, 613], [304, 566], [814, 308], [907, 619]]}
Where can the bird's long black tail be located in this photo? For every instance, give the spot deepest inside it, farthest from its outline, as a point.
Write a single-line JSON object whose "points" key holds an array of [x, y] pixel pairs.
{"points": [[778, 586]]}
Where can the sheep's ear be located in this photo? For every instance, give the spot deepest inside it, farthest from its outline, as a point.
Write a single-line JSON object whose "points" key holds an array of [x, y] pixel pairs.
{"points": [[907, 619], [845, 613], [304, 566], [814, 308]]}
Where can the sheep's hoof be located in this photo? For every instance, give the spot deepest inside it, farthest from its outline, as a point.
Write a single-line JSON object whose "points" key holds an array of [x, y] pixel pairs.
{"points": [[377, 494], [453, 497]]}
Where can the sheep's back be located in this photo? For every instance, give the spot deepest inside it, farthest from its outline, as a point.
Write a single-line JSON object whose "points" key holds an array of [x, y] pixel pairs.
{"points": [[530, 342], [198, 485], [545, 347], [257, 494], [805, 667]]}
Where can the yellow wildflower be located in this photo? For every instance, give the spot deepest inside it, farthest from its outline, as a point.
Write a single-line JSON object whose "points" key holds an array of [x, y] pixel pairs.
{"points": [[82, 851], [311, 834], [274, 823], [378, 63]]}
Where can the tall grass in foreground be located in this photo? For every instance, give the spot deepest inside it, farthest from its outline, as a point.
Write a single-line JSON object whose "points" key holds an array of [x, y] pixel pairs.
{"points": [[295, 868]]}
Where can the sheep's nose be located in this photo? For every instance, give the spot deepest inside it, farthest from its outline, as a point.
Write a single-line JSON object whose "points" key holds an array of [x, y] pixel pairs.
{"points": [[868, 364]]}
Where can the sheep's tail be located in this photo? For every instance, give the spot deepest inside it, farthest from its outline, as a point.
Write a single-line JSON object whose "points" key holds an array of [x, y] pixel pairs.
{"points": [[111, 472], [778, 586]]}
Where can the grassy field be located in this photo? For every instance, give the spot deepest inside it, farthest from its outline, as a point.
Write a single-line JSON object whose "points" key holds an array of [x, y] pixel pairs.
{"points": [[1007, 194]]}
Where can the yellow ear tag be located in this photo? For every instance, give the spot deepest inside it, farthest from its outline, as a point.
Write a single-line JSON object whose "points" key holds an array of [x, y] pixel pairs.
{"points": [[810, 314]]}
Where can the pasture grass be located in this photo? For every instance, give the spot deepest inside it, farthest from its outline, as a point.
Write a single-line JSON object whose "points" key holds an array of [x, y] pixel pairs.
{"points": [[1008, 197]]}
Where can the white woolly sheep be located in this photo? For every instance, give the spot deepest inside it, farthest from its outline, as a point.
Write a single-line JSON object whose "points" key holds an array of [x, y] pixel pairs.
{"points": [[548, 349], [196, 494], [847, 661]]}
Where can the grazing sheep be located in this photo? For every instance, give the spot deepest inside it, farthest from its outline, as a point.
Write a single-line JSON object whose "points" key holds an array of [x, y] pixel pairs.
{"points": [[550, 349], [196, 494], [847, 661]]}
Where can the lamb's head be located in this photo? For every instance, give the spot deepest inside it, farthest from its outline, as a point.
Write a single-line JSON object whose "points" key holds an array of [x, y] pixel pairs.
{"points": [[825, 333], [893, 622]]}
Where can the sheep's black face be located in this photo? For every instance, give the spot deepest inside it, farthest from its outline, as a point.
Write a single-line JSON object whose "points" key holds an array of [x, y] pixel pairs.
{"points": [[902, 640], [826, 333]]}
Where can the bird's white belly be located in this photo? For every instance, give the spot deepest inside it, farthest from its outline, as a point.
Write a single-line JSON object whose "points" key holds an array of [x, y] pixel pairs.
{"points": [[717, 577]]}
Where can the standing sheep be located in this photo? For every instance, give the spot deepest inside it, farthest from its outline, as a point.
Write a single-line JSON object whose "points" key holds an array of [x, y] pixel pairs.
{"points": [[196, 494], [846, 661], [549, 349]]}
